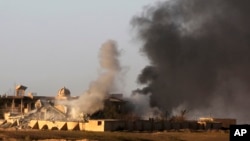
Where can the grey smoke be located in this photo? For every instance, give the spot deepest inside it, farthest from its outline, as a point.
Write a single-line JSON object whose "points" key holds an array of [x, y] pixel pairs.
{"points": [[199, 52], [139, 105], [93, 99]]}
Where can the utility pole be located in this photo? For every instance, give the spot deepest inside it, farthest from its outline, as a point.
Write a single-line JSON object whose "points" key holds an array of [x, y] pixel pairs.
{"points": [[22, 105], [13, 104], [15, 89]]}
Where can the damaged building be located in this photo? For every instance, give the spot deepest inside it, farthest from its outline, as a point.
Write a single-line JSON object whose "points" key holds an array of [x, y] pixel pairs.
{"points": [[52, 113], [21, 108], [19, 103]]}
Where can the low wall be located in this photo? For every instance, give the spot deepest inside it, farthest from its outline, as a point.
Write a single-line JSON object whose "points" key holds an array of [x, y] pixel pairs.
{"points": [[94, 125], [54, 125], [115, 125]]}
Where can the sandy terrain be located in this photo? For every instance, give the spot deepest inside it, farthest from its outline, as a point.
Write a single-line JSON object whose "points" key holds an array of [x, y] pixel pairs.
{"points": [[29, 135]]}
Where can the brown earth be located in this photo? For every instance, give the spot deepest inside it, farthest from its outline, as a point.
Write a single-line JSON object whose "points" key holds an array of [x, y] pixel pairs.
{"points": [[28, 135]]}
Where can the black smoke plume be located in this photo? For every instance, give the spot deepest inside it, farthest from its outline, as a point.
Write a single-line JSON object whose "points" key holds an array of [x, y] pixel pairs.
{"points": [[199, 52]]}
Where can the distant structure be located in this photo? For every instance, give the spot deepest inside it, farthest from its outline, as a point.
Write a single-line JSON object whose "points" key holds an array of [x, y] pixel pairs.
{"points": [[63, 93], [17, 104], [225, 122], [20, 90]]}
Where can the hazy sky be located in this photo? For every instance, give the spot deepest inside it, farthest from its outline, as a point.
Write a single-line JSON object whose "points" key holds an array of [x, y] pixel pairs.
{"points": [[48, 44]]}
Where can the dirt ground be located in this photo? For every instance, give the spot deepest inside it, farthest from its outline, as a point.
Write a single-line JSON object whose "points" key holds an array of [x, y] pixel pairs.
{"points": [[29, 135]]}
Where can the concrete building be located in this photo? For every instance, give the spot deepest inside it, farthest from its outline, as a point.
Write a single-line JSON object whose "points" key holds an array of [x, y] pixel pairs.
{"points": [[16, 104], [216, 122], [104, 125], [62, 95]]}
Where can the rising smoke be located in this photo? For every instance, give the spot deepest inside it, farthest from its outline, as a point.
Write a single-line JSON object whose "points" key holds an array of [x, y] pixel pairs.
{"points": [[199, 52], [141, 106], [93, 99]]}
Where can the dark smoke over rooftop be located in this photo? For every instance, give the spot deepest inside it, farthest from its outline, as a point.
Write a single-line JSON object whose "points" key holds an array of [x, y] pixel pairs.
{"points": [[199, 51]]}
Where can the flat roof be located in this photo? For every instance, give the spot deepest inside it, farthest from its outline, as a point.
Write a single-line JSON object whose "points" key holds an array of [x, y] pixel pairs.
{"points": [[21, 87]]}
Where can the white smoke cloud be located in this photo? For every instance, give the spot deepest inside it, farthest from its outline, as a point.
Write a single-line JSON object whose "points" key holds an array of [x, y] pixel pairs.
{"points": [[93, 99]]}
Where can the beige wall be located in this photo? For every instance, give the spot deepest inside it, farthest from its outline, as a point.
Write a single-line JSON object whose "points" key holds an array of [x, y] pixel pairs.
{"points": [[94, 125], [72, 125], [104, 125], [33, 124]]}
